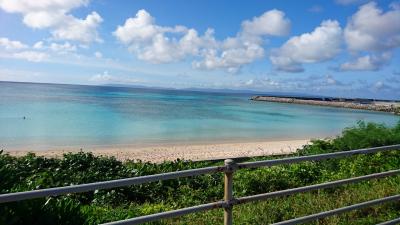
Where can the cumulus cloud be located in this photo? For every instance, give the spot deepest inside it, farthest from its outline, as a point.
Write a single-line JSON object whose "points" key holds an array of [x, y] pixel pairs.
{"points": [[38, 52], [101, 77], [230, 58], [311, 83], [38, 45], [261, 83], [367, 62], [55, 47], [390, 87], [32, 56], [105, 78], [63, 48], [140, 28], [162, 44], [330, 80], [18, 50], [322, 44], [272, 22], [372, 31], [83, 30], [11, 45], [318, 83], [378, 85], [55, 15], [247, 45], [98, 55]]}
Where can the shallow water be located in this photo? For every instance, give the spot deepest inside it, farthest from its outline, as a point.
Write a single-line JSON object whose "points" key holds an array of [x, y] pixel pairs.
{"points": [[72, 115]]}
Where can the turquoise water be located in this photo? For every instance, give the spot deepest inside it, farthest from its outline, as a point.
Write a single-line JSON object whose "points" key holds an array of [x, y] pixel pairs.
{"points": [[83, 116]]}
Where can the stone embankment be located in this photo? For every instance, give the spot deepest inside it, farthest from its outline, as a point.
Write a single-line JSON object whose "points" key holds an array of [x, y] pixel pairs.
{"points": [[382, 106]]}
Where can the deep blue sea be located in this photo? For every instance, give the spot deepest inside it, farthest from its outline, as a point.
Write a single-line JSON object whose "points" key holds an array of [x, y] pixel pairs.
{"points": [[84, 116]]}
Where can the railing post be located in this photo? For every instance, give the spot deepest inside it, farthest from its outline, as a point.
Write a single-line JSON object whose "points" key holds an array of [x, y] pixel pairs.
{"points": [[228, 191]]}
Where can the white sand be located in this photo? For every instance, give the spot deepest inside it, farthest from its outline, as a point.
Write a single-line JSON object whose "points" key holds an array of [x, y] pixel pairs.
{"points": [[188, 152]]}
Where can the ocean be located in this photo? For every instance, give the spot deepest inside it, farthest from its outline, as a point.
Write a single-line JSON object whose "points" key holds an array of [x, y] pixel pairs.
{"points": [[52, 116]]}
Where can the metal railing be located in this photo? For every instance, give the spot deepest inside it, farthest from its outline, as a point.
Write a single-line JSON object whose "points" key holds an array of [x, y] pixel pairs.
{"points": [[229, 200]]}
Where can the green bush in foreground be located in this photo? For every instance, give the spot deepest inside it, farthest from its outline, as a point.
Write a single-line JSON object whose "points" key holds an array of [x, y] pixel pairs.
{"points": [[32, 172]]}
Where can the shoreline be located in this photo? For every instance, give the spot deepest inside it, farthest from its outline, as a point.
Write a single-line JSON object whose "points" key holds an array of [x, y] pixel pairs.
{"points": [[360, 104], [195, 152]]}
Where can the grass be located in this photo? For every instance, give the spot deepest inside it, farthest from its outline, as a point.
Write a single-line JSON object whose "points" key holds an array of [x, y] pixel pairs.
{"points": [[32, 172]]}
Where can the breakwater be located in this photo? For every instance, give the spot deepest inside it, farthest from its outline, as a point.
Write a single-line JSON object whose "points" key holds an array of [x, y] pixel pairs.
{"points": [[364, 104]]}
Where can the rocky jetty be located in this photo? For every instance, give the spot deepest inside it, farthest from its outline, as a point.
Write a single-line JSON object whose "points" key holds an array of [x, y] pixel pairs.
{"points": [[364, 104]]}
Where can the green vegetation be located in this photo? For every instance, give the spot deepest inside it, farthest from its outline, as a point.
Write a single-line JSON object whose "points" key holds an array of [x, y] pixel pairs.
{"points": [[32, 172]]}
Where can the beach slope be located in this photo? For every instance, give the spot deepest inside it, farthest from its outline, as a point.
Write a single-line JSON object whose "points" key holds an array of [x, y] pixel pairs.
{"points": [[187, 152]]}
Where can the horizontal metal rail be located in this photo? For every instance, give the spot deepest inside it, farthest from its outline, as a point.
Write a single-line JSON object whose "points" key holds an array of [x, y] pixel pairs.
{"points": [[319, 157], [391, 222], [313, 187], [338, 211], [169, 214], [18, 196]]}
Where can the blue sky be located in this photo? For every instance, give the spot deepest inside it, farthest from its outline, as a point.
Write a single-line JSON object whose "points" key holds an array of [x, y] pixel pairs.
{"points": [[339, 47]]}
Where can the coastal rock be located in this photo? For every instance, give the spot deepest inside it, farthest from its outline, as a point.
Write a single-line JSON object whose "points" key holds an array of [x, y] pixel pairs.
{"points": [[364, 104]]}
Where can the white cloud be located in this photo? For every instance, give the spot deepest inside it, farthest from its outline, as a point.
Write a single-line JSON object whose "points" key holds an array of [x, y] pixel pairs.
{"points": [[322, 44], [370, 29], [330, 80], [259, 83], [316, 83], [105, 78], [11, 45], [230, 58], [249, 82], [32, 56], [55, 47], [367, 62], [162, 44], [101, 77], [55, 15], [38, 45], [38, 52], [19, 50], [272, 22], [83, 30], [41, 13], [263, 83], [247, 45], [158, 44], [164, 49], [62, 48], [140, 28], [373, 32], [379, 85], [98, 55]]}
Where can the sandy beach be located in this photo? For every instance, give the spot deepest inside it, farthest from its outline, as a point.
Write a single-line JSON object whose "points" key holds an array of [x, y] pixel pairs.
{"points": [[187, 152]]}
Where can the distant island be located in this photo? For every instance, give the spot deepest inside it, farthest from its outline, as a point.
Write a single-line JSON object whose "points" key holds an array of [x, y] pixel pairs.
{"points": [[390, 106]]}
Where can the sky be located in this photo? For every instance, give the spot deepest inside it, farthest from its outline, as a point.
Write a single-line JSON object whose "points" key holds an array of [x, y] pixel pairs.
{"points": [[345, 48]]}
